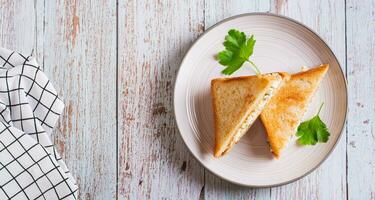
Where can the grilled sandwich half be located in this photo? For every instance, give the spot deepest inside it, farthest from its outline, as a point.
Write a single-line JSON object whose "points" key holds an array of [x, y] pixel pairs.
{"points": [[282, 115], [237, 102]]}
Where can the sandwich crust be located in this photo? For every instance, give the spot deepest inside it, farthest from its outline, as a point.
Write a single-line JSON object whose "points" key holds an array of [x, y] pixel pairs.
{"points": [[282, 115], [237, 102]]}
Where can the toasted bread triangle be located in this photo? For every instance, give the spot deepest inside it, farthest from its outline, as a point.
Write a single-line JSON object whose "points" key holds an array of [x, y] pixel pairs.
{"points": [[282, 115], [237, 102]]}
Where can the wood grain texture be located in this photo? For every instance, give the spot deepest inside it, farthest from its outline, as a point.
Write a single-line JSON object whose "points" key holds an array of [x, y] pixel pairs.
{"points": [[361, 118], [17, 25], [80, 59], [215, 11], [327, 18], [153, 160]]}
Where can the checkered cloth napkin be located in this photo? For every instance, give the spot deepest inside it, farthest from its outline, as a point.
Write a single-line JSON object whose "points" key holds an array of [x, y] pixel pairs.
{"points": [[30, 167]]}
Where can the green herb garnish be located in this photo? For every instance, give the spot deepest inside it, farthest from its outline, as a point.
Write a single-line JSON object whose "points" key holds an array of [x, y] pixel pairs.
{"points": [[313, 131], [238, 49]]}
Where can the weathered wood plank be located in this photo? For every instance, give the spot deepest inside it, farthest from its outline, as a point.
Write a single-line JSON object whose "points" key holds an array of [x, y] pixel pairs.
{"points": [[80, 58], [215, 11], [153, 161], [17, 25], [361, 119], [327, 18], [39, 28]]}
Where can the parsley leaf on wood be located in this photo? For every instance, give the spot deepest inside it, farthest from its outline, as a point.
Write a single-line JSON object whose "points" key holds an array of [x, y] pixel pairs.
{"points": [[313, 131], [238, 49]]}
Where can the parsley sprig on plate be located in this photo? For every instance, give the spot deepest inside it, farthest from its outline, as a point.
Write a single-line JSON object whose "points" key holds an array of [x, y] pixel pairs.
{"points": [[313, 131], [238, 49]]}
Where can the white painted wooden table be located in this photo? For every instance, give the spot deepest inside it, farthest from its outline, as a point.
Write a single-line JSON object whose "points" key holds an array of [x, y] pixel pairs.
{"points": [[114, 63]]}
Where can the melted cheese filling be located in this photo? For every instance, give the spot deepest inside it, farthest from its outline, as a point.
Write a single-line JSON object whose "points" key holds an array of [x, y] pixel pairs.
{"points": [[255, 113]]}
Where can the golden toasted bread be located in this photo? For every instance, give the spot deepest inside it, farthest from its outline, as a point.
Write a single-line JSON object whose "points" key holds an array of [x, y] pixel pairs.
{"points": [[237, 102], [282, 115]]}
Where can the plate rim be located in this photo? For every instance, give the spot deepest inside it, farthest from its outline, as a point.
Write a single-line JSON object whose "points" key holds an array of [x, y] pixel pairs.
{"points": [[318, 37]]}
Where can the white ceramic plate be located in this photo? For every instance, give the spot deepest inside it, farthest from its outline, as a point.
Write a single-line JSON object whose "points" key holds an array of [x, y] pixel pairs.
{"points": [[282, 45]]}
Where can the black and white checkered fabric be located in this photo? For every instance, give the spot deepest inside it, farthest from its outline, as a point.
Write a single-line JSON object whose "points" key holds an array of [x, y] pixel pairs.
{"points": [[30, 167]]}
